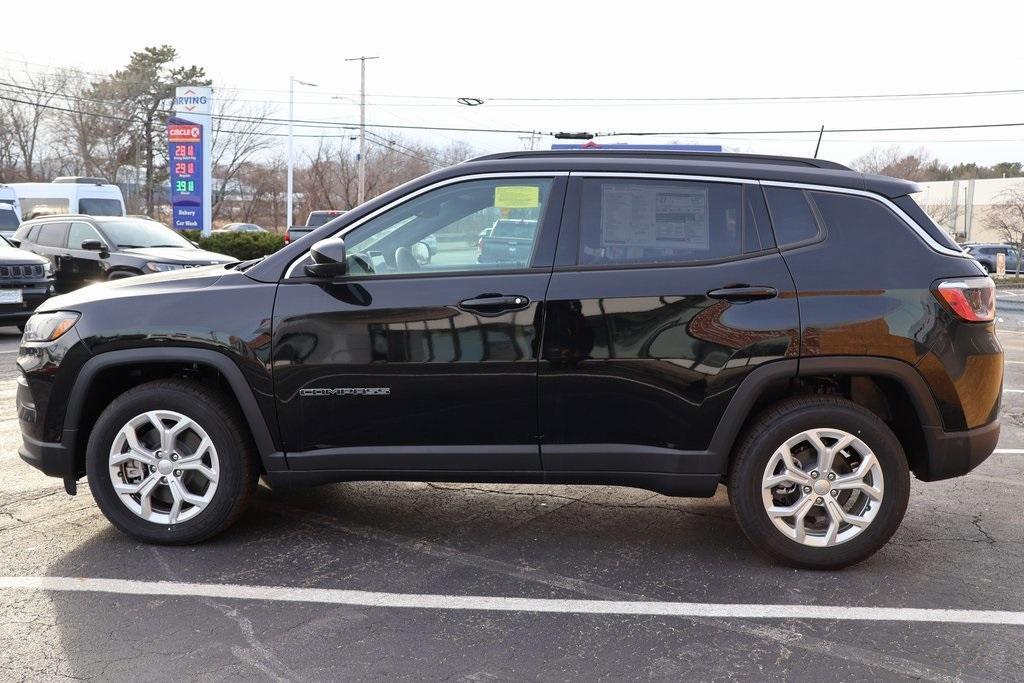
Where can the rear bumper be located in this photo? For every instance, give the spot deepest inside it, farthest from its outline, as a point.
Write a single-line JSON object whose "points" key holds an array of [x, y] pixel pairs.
{"points": [[953, 454]]}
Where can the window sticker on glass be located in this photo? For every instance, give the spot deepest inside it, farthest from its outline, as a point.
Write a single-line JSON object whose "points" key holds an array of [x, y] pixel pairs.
{"points": [[517, 197], [642, 216]]}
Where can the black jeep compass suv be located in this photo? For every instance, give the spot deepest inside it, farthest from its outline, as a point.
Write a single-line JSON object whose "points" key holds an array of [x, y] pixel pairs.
{"points": [[793, 330]]}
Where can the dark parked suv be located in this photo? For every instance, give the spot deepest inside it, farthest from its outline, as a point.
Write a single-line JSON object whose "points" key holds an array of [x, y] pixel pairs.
{"points": [[683, 321], [84, 249], [25, 282]]}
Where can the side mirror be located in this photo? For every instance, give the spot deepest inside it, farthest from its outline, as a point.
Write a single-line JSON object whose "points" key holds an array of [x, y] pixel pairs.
{"points": [[93, 245], [328, 258]]}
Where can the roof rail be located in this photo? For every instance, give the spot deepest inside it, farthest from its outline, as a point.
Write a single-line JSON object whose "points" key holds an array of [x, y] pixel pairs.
{"points": [[667, 154]]}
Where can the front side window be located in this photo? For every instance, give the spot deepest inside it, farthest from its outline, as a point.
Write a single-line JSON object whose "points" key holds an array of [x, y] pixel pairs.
{"points": [[640, 221], [80, 232], [476, 225], [92, 206]]}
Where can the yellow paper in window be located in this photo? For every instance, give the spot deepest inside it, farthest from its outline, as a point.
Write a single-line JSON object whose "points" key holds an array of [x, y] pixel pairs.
{"points": [[517, 197]]}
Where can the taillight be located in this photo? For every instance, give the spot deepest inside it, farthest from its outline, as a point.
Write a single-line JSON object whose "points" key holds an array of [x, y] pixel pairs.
{"points": [[971, 298], [287, 238]]}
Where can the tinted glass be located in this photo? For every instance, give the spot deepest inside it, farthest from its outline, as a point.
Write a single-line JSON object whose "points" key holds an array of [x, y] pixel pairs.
{"points": [[659, 221], [100, 207], [80, 232], [129, 234], [52, 234], [449, 229], [792, 217], [318, 218], [850, 214], [36, 207], [8, 218]]}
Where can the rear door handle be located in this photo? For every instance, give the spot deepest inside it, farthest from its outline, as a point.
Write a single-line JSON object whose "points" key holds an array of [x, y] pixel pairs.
{"points": [[494, 304], [743, 293]]}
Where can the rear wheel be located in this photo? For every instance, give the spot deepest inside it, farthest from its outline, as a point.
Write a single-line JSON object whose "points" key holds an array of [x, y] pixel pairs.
{"points": [[171, 462], [819, 482]]}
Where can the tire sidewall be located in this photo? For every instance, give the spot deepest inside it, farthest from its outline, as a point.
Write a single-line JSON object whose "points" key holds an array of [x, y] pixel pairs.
{"points": [[229, 482], [745, 484]]}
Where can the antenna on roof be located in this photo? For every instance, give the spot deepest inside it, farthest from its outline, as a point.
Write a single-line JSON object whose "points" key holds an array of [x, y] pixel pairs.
{"points": [[818, 146]]}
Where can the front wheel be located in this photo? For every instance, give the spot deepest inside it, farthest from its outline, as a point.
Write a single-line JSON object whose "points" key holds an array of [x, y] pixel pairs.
{"points": [[819, 482], [171, 462]]}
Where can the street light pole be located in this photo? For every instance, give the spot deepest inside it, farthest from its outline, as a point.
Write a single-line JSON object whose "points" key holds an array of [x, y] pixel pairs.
{"points": [[291, 154], [362, 125]]}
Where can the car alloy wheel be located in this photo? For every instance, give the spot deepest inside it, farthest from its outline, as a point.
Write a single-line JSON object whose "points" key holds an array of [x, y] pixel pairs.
{"points": [[164, 467], [822, 487]]}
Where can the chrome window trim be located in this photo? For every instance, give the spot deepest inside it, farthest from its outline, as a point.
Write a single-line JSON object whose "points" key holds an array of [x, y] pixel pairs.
{"points": [[917, 229], [412, 195]]}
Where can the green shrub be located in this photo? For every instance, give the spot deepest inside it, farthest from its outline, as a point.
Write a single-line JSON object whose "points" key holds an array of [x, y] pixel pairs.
{"points": [[241, 245]]}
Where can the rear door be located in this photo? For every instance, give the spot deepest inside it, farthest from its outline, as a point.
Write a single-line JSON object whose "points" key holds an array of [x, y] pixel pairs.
{"points": [[414, 361], [666, 294], [49, 241]]}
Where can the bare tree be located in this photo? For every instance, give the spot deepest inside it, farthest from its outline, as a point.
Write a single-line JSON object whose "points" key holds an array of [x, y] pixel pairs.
{"points": [[26, 114], [893, 161], [235, 143], [1006, 217]]}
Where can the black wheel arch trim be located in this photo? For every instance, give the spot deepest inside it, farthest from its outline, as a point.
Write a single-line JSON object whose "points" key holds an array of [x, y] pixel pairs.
{"points": [[232, 373], [739, 410]]}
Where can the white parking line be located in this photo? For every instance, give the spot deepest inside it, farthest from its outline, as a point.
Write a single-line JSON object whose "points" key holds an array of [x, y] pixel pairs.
{"points": [[1009, 451], [1013, 391], [330, 596]]}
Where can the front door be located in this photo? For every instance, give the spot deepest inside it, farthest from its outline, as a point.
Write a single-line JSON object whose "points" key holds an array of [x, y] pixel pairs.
{"points": [[424, 356], [665, 295], [82, 266]]}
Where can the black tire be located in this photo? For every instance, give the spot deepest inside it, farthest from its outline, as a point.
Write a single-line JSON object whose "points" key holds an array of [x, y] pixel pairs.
{"points": [[787, 419], [220, 419]]}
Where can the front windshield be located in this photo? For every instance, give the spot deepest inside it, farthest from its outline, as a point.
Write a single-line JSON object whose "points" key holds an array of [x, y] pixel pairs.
{"points": [[142, 234]]}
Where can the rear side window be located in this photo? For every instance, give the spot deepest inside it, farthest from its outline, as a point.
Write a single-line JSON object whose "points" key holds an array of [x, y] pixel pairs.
{"points": [[792, 216], [639, 221], [852, 215], [52, 234]]}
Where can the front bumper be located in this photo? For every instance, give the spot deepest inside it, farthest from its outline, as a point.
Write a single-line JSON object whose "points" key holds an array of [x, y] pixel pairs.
{"points": [[953, 454], [52, 459]]}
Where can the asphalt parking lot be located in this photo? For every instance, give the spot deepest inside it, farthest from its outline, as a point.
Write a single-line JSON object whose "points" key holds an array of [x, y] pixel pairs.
{"points": [[374, 581]]}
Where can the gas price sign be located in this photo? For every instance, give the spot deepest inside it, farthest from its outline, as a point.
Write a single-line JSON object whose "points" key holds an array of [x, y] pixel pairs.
{"points": [[185, 151]]}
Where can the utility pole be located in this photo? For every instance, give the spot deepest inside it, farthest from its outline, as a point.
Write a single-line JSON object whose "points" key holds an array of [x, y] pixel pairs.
{"points": [[362, 125], [291, 154]]}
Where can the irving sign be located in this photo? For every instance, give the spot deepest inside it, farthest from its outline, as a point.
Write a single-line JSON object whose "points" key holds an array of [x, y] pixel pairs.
{"points": [[193, 99]]}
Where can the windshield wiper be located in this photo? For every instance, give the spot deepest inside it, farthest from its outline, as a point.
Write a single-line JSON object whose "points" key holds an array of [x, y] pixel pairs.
{"points": [[156, 246], [130, 246]]}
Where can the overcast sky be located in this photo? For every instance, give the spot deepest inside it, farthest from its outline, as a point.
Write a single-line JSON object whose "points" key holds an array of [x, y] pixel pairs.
{"points": [[556, 51]]}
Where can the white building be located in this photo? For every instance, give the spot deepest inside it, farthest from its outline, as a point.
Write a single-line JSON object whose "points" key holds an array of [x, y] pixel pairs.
{"points": [[960, 206]]}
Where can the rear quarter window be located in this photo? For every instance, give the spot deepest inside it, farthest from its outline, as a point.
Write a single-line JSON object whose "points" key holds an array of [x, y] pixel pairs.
{"points": [[792, 215]]}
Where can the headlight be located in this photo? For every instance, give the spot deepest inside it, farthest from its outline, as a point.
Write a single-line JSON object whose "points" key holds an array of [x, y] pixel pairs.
{"points": [[45, 327], [154, 267]]}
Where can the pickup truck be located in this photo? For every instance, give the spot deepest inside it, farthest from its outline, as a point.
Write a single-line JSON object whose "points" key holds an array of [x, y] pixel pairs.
{"points": [[313, 221], [507, 241]]}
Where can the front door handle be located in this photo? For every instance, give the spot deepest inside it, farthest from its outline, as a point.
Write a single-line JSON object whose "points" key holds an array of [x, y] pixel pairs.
{"points": [[743, 293], [494, 304]]}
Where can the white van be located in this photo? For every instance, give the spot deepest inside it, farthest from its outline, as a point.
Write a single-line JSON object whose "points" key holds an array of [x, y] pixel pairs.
{"points": [[71, 194], [10, 211]]}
